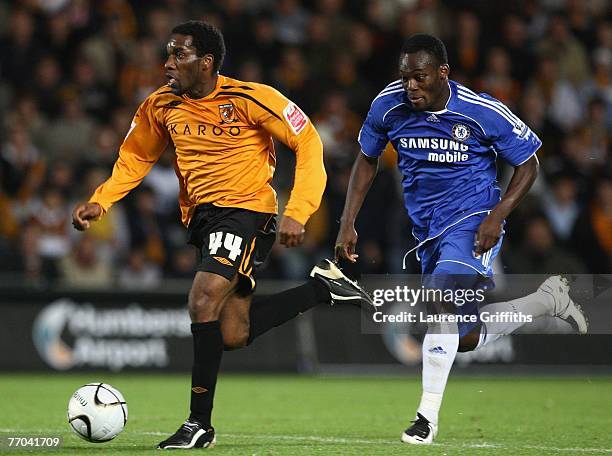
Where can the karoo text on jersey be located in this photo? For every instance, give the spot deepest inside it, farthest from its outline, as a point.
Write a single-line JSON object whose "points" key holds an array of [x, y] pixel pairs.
{"points": [[202, 130]]}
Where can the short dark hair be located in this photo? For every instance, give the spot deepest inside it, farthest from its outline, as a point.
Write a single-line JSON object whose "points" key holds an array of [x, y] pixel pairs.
{"points": [[428, 43], [207, 39]]}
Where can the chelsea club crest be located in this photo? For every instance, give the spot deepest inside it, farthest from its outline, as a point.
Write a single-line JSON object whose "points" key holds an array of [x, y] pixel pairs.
{"points": [[460, 132]]}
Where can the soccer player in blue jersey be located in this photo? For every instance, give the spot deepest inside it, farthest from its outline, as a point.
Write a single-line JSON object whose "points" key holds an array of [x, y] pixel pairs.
{"points": [[447, 139]]}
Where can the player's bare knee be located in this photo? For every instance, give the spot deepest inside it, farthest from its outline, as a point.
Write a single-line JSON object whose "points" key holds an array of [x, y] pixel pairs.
{"points": [[206, 297], [205, 303], [203, 309]]}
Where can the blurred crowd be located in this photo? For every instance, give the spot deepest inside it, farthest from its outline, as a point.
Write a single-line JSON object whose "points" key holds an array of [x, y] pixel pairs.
{"points": [[72, 73]]}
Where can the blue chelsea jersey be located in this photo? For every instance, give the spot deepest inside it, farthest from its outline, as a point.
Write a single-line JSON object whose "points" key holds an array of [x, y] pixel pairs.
{"points": [[446, 158]]}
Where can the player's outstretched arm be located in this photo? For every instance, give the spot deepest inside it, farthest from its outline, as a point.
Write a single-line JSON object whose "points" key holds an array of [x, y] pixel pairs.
{"points": [[141, 148], [362, 175], [490, 229], [83, 213]]}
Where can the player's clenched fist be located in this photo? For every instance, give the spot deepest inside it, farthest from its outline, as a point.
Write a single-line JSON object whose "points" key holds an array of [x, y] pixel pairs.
{"points": [[290, 232], [83, 213]]}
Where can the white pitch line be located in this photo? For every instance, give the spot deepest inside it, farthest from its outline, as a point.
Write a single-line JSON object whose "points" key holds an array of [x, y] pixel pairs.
{"points": [[310, 438], [577, 450], [318, 439], [314, 438]]}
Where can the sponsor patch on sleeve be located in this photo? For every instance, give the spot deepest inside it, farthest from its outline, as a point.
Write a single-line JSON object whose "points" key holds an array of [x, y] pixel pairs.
{"points": [[296, 119]]}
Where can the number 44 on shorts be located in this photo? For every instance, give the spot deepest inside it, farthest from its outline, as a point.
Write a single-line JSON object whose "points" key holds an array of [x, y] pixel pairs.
{"points": [[229, 241]]}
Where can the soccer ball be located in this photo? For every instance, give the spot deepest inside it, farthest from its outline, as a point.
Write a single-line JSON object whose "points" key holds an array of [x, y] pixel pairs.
{"points": [[97, 412]]}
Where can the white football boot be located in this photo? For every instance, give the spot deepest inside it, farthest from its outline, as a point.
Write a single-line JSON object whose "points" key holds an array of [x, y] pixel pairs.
{"points": [[562, 306], [422, 431]]}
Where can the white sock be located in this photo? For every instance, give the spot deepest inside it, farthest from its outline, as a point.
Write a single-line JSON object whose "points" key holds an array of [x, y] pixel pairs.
{"points": [[536, 304], [439, 351]]}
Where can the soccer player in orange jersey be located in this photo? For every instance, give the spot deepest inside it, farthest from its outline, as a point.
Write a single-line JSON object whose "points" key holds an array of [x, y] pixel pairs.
{"points": [[222, 131]]}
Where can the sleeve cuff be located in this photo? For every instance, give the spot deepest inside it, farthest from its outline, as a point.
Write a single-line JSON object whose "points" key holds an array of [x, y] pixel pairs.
{"points": [[296, 215], [370, 156], [530, 155]]}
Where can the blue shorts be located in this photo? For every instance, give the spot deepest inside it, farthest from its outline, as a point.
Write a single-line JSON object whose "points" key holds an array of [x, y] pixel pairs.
{"points": [[448, 262]]}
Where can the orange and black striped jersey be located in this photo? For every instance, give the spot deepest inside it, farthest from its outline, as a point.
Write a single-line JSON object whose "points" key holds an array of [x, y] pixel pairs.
{"points": [[224, 149]]}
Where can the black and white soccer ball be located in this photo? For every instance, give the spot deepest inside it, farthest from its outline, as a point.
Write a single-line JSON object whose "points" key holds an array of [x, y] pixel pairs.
{"points": [[97, 412]]}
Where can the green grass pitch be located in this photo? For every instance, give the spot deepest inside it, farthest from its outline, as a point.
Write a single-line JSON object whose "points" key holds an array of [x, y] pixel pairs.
{"points": [[300, 415]]}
